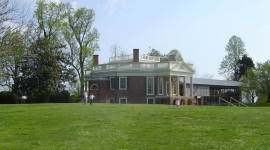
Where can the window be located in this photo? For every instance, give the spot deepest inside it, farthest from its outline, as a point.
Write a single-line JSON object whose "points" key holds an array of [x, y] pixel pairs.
{"points": [[122, 100], [94, 87], [122, 83], [167, 88], [151, 100], [150, 85], [112, 83], [111, 100], [160, 86]]}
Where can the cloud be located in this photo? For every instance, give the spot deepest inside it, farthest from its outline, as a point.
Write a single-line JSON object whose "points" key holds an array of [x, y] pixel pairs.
{"points": [[112, 6]]}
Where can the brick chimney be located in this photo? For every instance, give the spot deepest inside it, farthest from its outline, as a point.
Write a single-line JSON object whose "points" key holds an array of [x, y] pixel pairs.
{"points": [[95, 60], [135, 55]]}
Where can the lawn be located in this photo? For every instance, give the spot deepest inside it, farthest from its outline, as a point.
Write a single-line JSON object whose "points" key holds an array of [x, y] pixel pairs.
{"points": [[132, 126]]}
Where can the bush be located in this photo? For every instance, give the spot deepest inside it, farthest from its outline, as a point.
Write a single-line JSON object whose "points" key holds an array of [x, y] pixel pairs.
{"points": [[60, 97], [76, 98], [7, 97]]}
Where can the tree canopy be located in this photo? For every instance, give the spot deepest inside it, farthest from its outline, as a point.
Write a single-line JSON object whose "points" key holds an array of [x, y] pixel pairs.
{"points": [[257, 80], [229, 66]]}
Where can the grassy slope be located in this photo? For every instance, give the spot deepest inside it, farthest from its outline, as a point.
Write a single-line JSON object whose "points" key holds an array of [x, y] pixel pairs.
{"points": [[113, 126]]}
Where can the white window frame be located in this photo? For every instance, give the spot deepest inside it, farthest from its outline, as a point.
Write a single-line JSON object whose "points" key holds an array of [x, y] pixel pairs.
{"points": [[153, 85], [154, 101], [91, 87], [111, 83], [122, 99], [120, 83], [160, 82]]}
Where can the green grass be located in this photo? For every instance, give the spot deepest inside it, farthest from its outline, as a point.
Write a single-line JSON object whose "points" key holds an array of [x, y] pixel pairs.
{"points": [[113, 126]]}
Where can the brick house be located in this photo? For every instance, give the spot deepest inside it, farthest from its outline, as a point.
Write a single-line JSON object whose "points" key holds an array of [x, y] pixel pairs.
{"points": [[135, 79]]}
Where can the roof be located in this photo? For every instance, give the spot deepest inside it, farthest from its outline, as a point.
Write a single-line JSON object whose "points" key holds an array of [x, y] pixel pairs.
{"points": [[201, 81]]}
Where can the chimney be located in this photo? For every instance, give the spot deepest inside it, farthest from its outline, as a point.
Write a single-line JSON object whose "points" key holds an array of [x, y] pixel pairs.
{"points": [[95, 61], [135, 55], [172, 57]]}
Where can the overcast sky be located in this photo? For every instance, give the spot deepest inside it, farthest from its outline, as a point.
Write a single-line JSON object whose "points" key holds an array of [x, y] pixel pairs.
{"points": [[199, 29]]}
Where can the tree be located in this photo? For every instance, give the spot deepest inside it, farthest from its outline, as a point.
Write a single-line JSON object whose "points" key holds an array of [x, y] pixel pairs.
{"points": [[43, 70], [82, 40], [116, 50], [154, 52], [245, 63], [177, 54], [229, 65], [257, 80], [249, 85], [12, 22]]}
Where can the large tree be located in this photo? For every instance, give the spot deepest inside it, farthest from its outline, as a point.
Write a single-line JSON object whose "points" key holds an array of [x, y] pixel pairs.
{"points": [[12, 23], [229, 66], [82, 39], [44, 71]]}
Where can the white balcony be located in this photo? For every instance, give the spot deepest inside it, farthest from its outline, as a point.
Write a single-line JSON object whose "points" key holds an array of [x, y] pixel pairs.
{"points": [[129, 58]]}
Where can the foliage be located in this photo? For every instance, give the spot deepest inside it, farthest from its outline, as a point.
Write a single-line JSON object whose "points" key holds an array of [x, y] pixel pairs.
{"points": [[165, 57], [81, 38], [9, 98], [245, 63], [177, 54], [60, 97], [44, 71], [12, 22], [115, 126], [229, 66], [257, 80]]}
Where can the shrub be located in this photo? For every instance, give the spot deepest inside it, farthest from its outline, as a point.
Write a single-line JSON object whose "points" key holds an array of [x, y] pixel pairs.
{"points": [[7, 97], [76, 98], [60, 97]]}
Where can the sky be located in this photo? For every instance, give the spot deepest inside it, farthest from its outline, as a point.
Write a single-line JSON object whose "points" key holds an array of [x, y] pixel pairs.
{"points": [[199, 29]]}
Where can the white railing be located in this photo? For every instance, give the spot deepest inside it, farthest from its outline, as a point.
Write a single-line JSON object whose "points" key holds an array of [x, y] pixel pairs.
{"points": [[239, 103], [129, 58], [132, 66], [221, 99], [124, 58], [146, 58]]}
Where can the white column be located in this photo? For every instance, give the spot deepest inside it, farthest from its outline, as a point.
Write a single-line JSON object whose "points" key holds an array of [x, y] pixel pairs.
{"points": [[170, 86], [191, 87]]}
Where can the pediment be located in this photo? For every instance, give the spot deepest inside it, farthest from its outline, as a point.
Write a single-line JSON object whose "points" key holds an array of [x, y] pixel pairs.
{"points": [[181, 67]]}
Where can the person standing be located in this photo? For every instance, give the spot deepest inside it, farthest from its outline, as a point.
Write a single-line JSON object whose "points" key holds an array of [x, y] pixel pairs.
{"points": [[177, 103], [91, 98]]}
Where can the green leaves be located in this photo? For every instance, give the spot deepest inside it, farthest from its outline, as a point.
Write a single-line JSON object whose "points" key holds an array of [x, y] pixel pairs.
{"points": [[235, 50]]}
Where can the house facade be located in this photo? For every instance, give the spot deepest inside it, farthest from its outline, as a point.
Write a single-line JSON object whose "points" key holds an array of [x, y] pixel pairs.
{"points": [[135, 79]]}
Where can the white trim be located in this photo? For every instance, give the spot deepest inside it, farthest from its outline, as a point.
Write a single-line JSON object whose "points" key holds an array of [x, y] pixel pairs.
{"points": [[91, 87], [122, 98], [153, 86], [154, 101], [120, 83]]}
